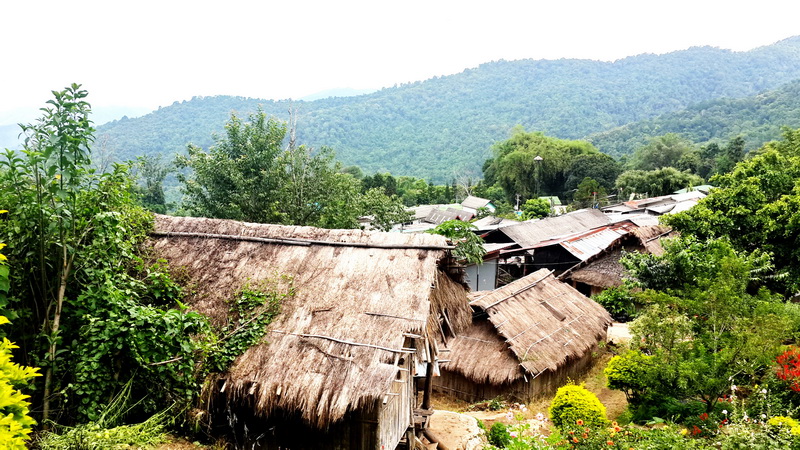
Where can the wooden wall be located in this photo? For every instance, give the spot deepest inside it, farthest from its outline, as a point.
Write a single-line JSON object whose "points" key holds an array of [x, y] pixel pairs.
{"points": [[544, 385]]}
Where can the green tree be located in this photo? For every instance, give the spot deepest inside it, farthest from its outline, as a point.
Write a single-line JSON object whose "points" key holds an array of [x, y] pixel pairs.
{"points": [[535, 208], [240, 176], [90, 311], [654, 182], [248, 176], [706, 323], [514, 165], [469, 246], [590, 194], [151, 172], [756, 206], [669, 150], [598, 166]]}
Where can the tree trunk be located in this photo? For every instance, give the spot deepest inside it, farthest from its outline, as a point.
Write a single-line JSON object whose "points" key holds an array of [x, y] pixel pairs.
{"points": [[54, 326]]}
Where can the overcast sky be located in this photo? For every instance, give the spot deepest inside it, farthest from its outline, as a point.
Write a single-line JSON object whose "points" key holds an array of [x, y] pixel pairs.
{"points": [[145, 54]]}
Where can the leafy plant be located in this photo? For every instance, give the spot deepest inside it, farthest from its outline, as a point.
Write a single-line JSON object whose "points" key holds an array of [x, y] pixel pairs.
{"points": [[619, 301], [469, 246], [574, 404], [252, 310], [15, 421], [498, 435]]}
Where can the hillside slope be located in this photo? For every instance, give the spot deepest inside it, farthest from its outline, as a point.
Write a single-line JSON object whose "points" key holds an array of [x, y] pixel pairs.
{"points": [[758, 119], [445, 125]]}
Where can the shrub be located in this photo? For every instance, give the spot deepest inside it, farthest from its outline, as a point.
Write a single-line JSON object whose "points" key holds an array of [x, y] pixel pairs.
{"points": [[498, 435], [629, 373], [574, 403], [619, 302]]}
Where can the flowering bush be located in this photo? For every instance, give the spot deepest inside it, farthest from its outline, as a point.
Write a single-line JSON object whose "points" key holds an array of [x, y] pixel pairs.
{"points": [[789, 368], [573, 404]]}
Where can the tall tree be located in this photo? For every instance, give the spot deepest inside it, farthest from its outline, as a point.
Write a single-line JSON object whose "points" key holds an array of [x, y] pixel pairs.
{"points": [[756, 206], [653, 183], [669, 150], [85, 313], [532, 164], [240, 176]]}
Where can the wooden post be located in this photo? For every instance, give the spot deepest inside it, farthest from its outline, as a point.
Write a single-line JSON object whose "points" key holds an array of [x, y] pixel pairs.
{"points": [[426, 397]]}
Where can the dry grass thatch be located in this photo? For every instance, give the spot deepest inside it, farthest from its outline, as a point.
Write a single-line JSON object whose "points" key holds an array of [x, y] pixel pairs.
{"points": [[480, 354], [335, 344], [545, 322], [606, 271], [650, 237]]}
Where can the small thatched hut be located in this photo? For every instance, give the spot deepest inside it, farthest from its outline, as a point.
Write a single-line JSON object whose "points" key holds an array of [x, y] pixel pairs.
{"points": [[527, 338], [338, 367]]}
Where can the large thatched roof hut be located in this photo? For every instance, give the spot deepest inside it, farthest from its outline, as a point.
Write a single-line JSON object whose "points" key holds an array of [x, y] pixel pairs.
{"points": [[526, 339], [337, 367]]}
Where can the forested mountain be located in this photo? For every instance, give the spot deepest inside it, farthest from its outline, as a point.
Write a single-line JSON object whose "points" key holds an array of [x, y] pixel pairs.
{"points": [[442, 126], [757, 119]]}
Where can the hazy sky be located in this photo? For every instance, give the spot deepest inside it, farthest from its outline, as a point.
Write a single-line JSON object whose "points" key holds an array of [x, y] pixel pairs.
{"points": [[146, 54]]}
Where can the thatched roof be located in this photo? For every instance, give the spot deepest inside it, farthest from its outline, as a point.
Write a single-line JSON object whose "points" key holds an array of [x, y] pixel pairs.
{"points": [[650, 237], [482, 355], [358, 295], [528, 234], [545, 322], [605, 271]]}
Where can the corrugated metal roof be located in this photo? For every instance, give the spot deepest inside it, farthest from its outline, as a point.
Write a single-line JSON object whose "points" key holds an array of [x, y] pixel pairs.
{"points": [[528, 234], [475, 202], [587, 244]]}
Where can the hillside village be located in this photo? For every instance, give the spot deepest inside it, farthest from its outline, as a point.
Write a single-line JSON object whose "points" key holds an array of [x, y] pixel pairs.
{"points": [[289, 301]]}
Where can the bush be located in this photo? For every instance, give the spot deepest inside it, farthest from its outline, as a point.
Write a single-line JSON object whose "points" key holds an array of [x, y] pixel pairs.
{"points": [[619, 302], [629, 373], [15, 423], [574, 403], [498, 435]]}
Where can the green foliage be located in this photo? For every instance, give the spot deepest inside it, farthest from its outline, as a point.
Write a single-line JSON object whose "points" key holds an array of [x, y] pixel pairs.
{"points": [[252, 310], [669, 150], [469, 246], [515, 168], [108, 431], [247, 176], [598, 166], [576, 405], [535, 208], [498, 435], [92, 313], [756, 207], [150, 173], [750, 121], [704, 327], [239, 177], [435, 128], [631, 373], [654, 183], [590, 195], [15, 421], [618, 301]]}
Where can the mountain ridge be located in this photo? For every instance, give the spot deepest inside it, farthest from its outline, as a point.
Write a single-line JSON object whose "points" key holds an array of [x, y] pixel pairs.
{"points": [[446, 125]]}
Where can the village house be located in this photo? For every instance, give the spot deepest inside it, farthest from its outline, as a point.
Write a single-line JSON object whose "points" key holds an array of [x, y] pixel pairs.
{"points": [[349, 360], [527, 339]]}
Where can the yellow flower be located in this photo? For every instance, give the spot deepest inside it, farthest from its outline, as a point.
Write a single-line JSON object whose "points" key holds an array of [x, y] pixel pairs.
{"points": [[684, 432]]}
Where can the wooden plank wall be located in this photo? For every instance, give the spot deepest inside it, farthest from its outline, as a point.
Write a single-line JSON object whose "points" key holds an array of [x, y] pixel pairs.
{"points": [[546, 384]]}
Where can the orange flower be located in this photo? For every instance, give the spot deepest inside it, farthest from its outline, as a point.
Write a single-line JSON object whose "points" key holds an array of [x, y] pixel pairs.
{"points": [[579, 422], [617, 428], [614, 423], [610, 442], [585, 436], [575, 440]]}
